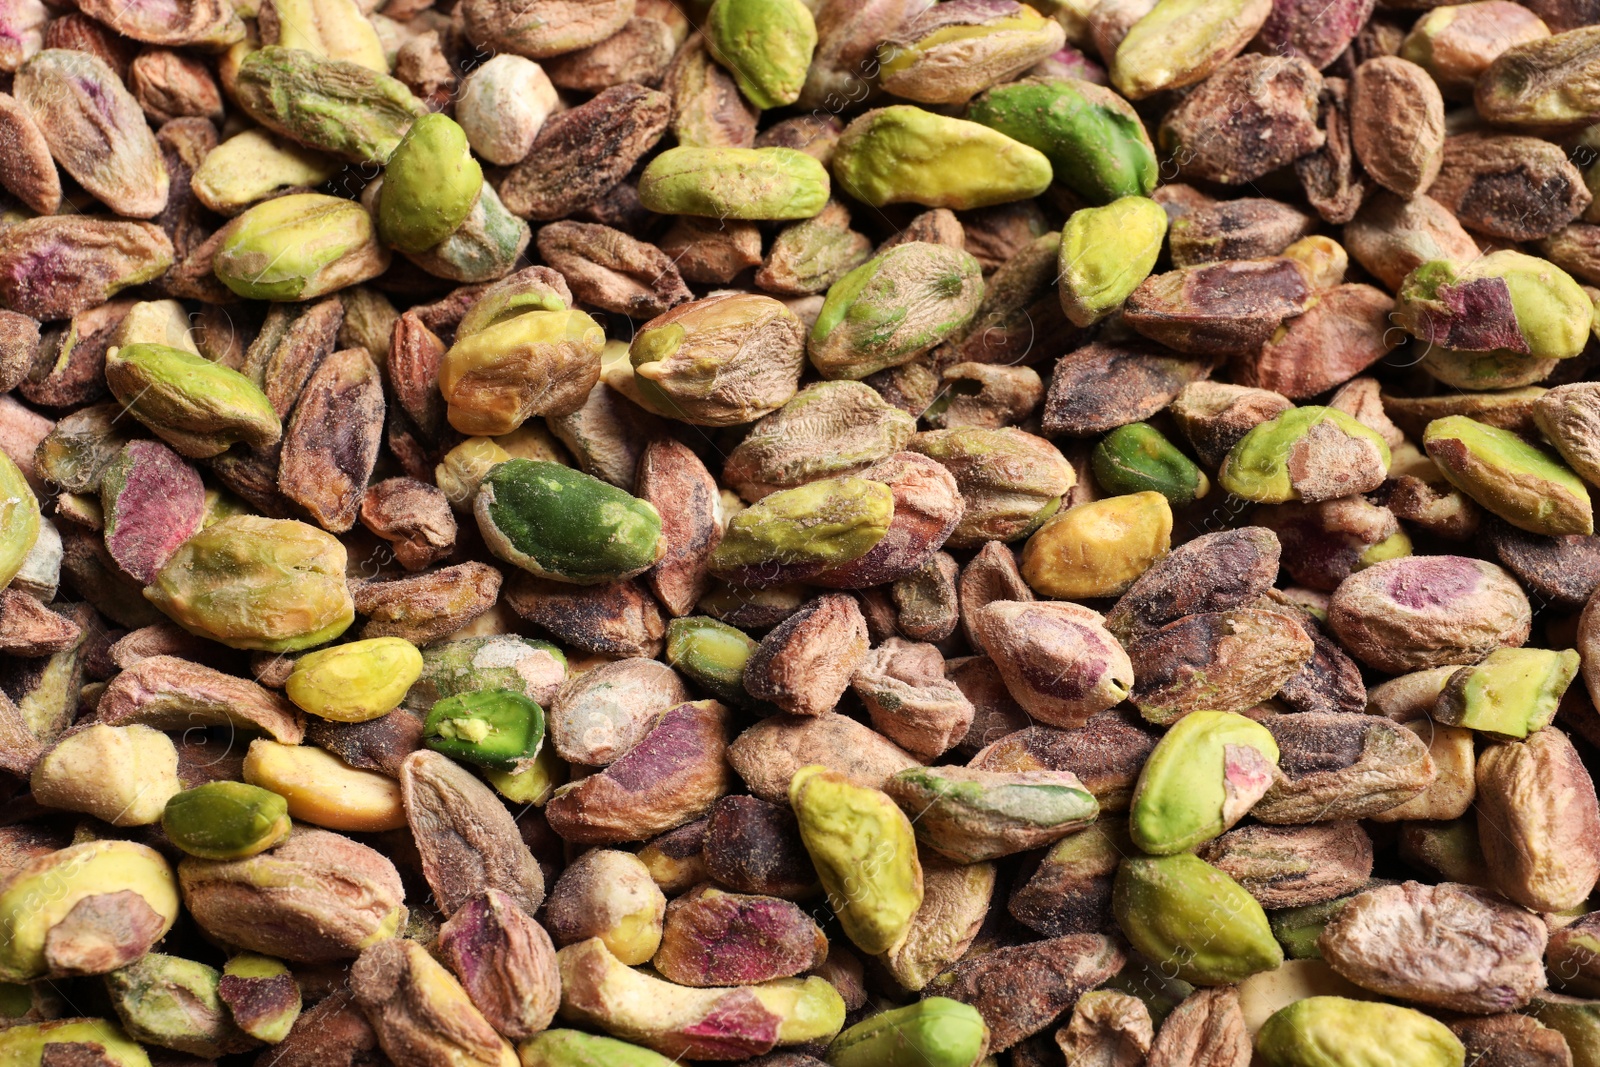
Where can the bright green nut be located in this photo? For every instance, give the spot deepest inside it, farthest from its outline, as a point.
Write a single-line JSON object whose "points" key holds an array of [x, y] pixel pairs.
{"points": [[970, 816], [1105, 253], [172, 1002], [262, 996], [1504, 300], [1524, 484], [19, 519], [734, 183], [711, 654], [226, 820], [1202, 777], [429, 185], [1267, 464], [865, 853], [574, 1048], [355, 682], [765, 44], [298, 247], [1193, 920], [1138, 458], [490, 727], [563, 524], [1096, 144], [1339, 1032], [804, 530], [1512, 693], [198, 407], [934, 1032], [37, 897], [905, 155], [270, 585], [340, 107], [1181, 42], [24, 1046], [254, 165], [895, 307]]}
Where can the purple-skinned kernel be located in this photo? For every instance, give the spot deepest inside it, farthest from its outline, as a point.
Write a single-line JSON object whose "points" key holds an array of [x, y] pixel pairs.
{"points": [[713, 938]]}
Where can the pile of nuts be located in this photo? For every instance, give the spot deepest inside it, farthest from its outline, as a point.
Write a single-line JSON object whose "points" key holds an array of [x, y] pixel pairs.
{"points": [[802, 533]]}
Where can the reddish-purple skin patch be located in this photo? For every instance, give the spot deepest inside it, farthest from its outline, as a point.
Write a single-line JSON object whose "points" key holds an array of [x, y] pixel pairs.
{"points": [[675, 741], [154, 501], [1080, 645], [740, 1027], [1479, 316], [734, 940], [1429, 582]]}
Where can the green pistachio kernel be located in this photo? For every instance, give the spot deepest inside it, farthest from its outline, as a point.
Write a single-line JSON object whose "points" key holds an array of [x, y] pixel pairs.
{"points": [[429, 185], [1202, 777], [273, 585], [1512, 693], [947, 54], [355, 682], [1272, 463], [1504, 300], [1524, 484], [895, 307], [1192, 919], [1339, 1032], [172, 1002], [905, 155], [1093, 138], [734, 183], [262, 996], [226, 820], [198, 407], [340, 107], [495, 728], [1181, 42], [1138, 458], [19, 520], [484, 247], [969, 815], [563, 524], [711, 654], [865, 853], [254, 165], [573, 1048], [765, 44], [298, 247], [534, 782], [1105, 253], [933, 1032], [1576, 1019], [26, 1045], [804, 530]]}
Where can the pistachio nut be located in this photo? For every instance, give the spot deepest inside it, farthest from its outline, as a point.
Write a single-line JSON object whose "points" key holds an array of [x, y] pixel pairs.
{"points": [[933, 1032], [1307, 453], [893, 308], [1327, 1031], [172, 1002], [357, 681], [905, 155], [504, 369], [562, 524], [765, 44], [253, 166], [1011, 481], [1181, 42], [1520, 482], [1504, 301], [971, 815], [47, 932], [430, 185], [225, 820], [946, 55], [1546, 83], [494, 728], [711, 654], [1193, 920], [826, 429], [864, 851], [720, 361], [734, 183], [322, 789], [19, 520], [574, 1048], [31, 1043], [1099, 548], [795, 533], [1138, 458], [199, 408], [1105, 253], [261, 995], [122, 775], [1203, 777], [339, 107], [274, 585], [298, 247]]}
